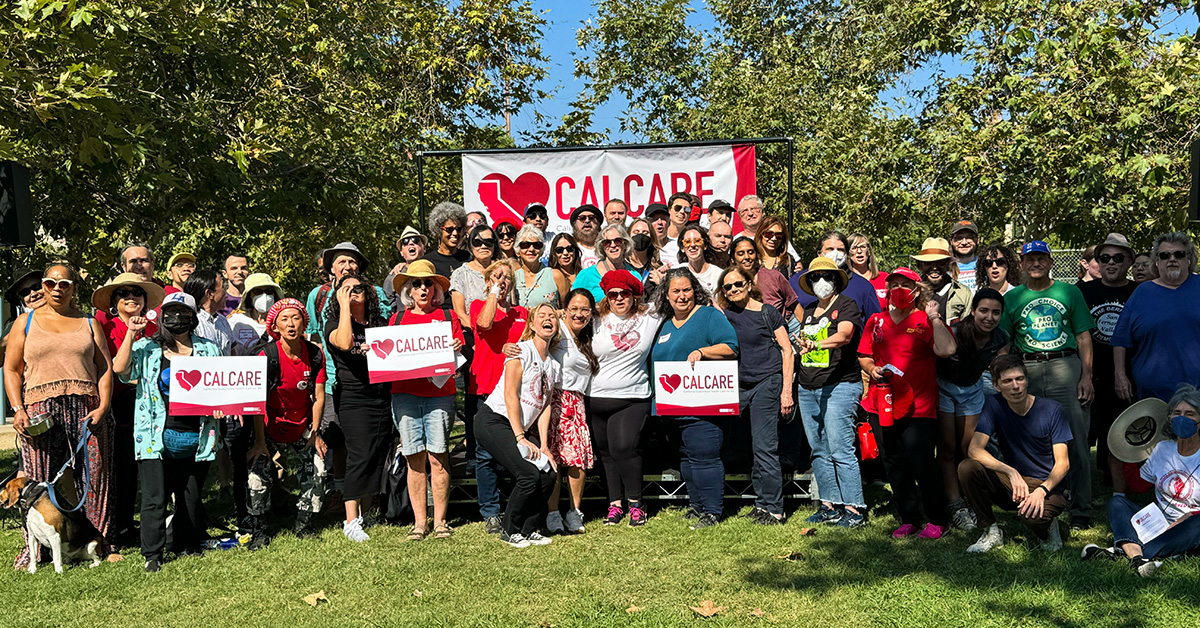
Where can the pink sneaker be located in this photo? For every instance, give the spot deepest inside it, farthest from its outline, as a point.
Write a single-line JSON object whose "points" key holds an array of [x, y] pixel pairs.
{"points": [[907, 529], [932, 531]]}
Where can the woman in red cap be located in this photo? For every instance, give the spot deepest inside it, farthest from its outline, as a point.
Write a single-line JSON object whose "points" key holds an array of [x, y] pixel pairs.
{"points": [[909, 338], [618, 400]]}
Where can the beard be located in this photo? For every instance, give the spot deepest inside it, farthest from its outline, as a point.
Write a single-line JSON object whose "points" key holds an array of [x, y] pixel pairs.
{"points": [[1173, 274]]}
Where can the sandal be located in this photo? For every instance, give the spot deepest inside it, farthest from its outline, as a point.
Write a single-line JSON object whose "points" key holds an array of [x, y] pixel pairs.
{"points": [[416, 534], [443, 531]]}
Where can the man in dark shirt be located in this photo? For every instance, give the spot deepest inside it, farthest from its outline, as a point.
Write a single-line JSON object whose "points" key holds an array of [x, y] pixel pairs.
{"points": [[1033, 434]]}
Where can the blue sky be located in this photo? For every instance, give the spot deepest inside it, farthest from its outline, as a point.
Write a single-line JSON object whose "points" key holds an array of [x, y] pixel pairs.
{"points": [[565, 17]]}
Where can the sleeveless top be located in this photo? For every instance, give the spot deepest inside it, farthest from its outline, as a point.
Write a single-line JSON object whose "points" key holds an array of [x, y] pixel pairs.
{"points": [[58, 364], [543, 290]]}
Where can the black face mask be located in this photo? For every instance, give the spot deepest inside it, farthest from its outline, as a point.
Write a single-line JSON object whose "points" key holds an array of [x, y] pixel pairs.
{"points": [[641, 242], [178, 323]]}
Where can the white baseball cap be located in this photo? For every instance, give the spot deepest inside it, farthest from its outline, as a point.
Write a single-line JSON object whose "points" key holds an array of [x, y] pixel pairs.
{"points": [[180, 298]]}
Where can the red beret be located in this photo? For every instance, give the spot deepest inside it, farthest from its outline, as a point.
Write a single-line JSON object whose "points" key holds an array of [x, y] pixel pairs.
{"points": [[621, 279]]}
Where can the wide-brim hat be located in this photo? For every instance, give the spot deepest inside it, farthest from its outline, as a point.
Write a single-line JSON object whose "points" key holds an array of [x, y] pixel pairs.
{"points": [[257, 281], [344, 248], [102, 297], [24, 276], [420, 269], [1118, 240], [409, 232], [821, 263], [1139, 428], [933, 250]]}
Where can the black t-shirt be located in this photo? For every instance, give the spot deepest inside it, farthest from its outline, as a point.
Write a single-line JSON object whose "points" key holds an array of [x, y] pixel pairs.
{"points": [[965, 367], [830, 366], [1105, 304], [759, 355], [446, 264], [351, 366]]}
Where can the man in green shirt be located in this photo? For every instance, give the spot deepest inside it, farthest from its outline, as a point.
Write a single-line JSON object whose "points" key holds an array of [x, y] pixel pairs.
{"points": [[1049, 322]]}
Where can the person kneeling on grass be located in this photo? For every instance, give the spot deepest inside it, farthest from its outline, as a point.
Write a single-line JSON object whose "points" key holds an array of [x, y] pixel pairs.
{"points": [[1172, 468], [1033, 434], [296, 379]]}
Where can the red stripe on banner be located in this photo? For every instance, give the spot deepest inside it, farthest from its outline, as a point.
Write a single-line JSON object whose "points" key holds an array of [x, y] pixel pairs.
{"points": [[196, 409], [721, 409], [379, 377], [747, 179]]}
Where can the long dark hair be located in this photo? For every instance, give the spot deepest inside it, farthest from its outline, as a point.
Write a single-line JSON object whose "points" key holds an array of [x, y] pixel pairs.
{"points": [[584, 339], [662, 304], [478, 229], [706, 253], [576, 261], [966, 327], [371, 309], [167, 340], [1012, 265]]}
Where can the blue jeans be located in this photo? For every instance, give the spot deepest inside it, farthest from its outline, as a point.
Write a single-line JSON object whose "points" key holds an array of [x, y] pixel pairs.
{"points": [[1058, 379], [701, 466], [828, 415], [487, 482], [760, 404], [1178, 540]]}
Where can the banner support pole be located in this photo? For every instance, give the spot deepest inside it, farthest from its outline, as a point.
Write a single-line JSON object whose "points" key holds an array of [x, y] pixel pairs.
{"points": [[421, 190], [791, 150]]}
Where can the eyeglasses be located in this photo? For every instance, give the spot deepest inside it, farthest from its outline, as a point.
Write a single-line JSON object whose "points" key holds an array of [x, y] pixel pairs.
{"points": [[410, 241], [129, 293], [861, 247], [693, 242], [532, 245], [996, 261], [736, 285], [452, 229], [559, 250], [421, 283], [49, 283], [611, 242], [184, 265], [484, 242], [619, 294], [965, 236], [586, 218], [772, 234], [1163, 255], [1115, 258]]}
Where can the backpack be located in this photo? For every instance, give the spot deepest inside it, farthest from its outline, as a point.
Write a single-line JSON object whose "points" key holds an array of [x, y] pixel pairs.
{"points": [[319, 301], [316, 361]]}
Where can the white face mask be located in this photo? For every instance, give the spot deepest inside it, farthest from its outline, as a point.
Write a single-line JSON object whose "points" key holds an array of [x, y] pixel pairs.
{"points": [[263, 302], [823, 288], [838, 257]]}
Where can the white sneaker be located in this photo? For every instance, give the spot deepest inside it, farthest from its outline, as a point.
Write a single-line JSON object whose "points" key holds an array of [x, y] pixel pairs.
{"points": [[554, 522], [992, 538], [574, 521], [1053, 543], [538, 539], [354, 530], [515, 539]]}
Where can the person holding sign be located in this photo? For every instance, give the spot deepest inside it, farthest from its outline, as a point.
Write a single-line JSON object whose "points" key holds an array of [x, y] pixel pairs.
{"points": [[363, 409], [909, 338], [173, 452], [696, 331], [423, 409], [830, 388], [505, 425], [1169, 526], [295, 401]]}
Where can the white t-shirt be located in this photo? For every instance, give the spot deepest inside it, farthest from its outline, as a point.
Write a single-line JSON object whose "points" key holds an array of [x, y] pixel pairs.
{"points": [[576, 373], [245, 330], [622, 347], [1176, 485], [538, 379], [588, 257], [669, 253], [708, 277]]}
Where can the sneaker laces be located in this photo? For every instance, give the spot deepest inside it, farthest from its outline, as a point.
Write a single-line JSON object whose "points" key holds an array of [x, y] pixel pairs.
{"points": [[615, 512]]}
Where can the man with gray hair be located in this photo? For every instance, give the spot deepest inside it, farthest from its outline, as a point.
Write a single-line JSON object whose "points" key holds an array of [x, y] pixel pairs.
{"points": [[750, 212], [137, 258]]}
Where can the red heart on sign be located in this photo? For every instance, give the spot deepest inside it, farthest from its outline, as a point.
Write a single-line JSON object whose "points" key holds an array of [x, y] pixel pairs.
{"points": [[670, 382], [187, 379], [383, 347], [505, 198]]}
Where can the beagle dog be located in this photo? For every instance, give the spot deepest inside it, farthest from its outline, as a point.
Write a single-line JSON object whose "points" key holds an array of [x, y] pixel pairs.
{"points": [[66, 534]]}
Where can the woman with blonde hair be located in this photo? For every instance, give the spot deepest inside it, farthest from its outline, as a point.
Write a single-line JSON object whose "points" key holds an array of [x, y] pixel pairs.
{"points": [[863, 262]]}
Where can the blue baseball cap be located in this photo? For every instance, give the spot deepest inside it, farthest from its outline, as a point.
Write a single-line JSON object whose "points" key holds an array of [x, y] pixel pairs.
{"points": [[1036, 246]]}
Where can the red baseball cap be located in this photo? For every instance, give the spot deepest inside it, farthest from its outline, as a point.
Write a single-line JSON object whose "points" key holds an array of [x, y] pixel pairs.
{"points": [[906, 272]]}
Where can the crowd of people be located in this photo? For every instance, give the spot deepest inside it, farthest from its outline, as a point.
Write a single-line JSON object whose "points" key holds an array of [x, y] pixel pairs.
{"points": [[981, 380]]}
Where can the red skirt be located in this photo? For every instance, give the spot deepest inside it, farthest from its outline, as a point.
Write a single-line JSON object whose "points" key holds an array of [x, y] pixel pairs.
{"points": [[570, 438]]}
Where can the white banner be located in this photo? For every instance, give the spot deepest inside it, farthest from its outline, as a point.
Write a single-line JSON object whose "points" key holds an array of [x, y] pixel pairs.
{"points": [[502, 184], [233, 385], [401, 352], [709, 389]]}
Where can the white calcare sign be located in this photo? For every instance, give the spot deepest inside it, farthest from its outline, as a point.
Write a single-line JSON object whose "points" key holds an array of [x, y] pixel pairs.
{"points": [[201, 385], [708, 389], [400, 352]]}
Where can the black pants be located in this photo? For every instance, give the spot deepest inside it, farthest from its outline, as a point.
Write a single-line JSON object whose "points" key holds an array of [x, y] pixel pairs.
{"points": [[125, 468], [616, 425], [527, 502], [913, 472], [1106, 407], [161, 479], [236, 438]]}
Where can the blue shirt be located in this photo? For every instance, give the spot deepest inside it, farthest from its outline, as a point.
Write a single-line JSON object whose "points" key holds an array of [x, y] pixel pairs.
{"points": [[707, 327], [859, 289], [966, 274], [1026, 442], [1161, 328]]}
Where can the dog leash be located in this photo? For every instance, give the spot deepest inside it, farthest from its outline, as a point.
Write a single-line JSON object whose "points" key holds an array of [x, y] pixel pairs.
{"points": [[87, 433]]}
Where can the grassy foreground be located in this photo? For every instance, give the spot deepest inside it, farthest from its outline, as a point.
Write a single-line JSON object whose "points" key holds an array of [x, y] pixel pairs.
{"points": [[612, 576]]}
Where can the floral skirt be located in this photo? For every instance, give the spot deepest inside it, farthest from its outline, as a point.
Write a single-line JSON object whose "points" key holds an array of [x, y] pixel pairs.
{"points": [[570, 438], [43, 455]]}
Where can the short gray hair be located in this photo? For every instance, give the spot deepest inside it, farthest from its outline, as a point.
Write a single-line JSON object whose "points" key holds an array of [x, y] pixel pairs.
{"points": [[1186, 393], [133, 244], [752, 197], [1182, 239], [530, 233], [439, 295], [623, 233], [443, 212]]}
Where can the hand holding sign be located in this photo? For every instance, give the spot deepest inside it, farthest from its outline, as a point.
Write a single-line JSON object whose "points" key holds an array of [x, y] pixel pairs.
{"points": [[706, 388], [402, 352], [218, 385]]}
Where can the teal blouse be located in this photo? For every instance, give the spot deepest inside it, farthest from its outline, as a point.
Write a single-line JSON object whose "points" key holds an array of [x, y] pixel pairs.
{"points": [[150, 409]]}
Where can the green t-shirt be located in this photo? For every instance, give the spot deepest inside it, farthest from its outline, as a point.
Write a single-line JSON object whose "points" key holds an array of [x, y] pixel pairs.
{"points": [[1047, 320]]}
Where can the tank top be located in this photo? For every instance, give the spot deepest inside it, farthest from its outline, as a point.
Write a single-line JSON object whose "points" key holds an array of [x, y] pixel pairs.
{"points": [[58, 364], [543, 290]]}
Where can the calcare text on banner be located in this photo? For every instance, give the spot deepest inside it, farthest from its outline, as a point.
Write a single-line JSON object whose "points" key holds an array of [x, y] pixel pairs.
{"points": [[708, 389], [400, 352], [233, 385]]}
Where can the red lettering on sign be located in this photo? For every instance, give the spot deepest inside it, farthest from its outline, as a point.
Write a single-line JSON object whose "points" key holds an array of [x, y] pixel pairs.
{"points": [[657, 195], [676, 177], [558, 197], [633, 211], [604, 183], [589, 192], [702, 191]]}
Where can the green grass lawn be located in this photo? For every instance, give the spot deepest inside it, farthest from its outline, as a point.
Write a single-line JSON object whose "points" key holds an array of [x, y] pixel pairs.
{"points": [[762, 576]]}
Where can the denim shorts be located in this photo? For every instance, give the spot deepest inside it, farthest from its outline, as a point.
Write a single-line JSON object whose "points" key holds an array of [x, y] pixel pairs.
{"points": [[423, 422], [960, 400]]}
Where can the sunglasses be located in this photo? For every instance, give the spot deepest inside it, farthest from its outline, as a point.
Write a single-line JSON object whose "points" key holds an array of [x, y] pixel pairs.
{"points": [[681, 208], [452, 229], [191, 265], [1162, 255], [604, 244], [1115, 258], [129, 293], [559, 250], [507, 234], [998, 261], [735, 285], [410, 241], [484, 242], [49, 283], [531, 244], [817, 276], [586, 218], [619, 294], [693, 242], [537, 213], [422, 283], [26, 291], [772, 234], [357, 289]]}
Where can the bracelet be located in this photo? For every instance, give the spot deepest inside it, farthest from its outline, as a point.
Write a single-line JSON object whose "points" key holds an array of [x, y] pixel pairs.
{"points": [[1043, 487]]}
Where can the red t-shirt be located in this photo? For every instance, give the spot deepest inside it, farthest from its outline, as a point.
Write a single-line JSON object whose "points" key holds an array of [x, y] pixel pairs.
{"points": [[289, 407], [909, 347], [115, 329], [488, 364], [424, 387], [880, 285]]}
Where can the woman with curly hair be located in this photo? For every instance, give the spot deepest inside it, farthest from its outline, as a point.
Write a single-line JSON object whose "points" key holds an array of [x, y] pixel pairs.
{"points": [[772, 239], [998, 269]]}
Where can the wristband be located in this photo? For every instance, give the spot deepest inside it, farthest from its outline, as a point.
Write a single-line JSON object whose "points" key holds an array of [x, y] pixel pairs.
{"points": [[495, 291], [1043, 487]]}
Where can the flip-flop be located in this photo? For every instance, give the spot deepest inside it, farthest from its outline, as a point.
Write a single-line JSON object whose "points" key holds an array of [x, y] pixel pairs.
{"points": [[416, 534], [443, 531]]}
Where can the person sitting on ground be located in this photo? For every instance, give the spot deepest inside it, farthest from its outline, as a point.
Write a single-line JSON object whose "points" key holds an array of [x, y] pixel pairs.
{"points": [[1033, 434]]}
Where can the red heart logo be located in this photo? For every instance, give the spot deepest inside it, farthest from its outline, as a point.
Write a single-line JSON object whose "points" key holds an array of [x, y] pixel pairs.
{"points": [[670, 382], [505, 198], [383, 347], [627, 340], [187, 379]]}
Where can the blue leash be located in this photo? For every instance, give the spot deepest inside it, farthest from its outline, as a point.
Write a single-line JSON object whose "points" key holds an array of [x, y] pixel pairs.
{"points": [[87, 433]]}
